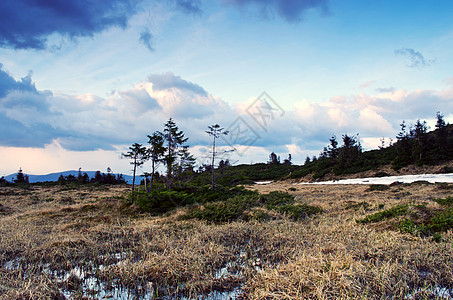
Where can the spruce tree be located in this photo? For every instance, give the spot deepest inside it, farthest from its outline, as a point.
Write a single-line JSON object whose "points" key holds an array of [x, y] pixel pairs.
{"points": [[138, 155], [21, 177], [441, 135], [174, 140], [215, 131], [156, 151]]}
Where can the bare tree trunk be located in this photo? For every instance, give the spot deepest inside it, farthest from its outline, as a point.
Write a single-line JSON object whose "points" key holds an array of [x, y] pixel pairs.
{"points": [[152, 175], [133, 177], [212, 165]]}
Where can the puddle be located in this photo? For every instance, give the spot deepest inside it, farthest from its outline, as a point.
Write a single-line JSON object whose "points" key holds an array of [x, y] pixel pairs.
{"points": [[215, 295], [84, 281], [13, 264], [430, 293]]}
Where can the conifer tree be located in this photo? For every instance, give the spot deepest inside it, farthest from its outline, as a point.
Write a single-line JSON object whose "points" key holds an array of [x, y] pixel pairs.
{"points": [[138, 155], [273, 159], [403, 147], [156, 151], [418, 132], [333, 148], [21, 177], [441, 135], [174, 140], [215, 131]]}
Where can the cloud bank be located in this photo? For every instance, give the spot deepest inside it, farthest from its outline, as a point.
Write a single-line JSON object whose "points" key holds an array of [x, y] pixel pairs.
{"points": [[33, 118], [26, 24]]}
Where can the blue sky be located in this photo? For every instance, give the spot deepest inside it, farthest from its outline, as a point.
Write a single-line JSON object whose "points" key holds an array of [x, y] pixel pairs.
{"points": [[80, 81]]}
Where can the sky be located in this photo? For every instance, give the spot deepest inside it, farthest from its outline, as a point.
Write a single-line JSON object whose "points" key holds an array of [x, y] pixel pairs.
{"points": [[82, 80]]}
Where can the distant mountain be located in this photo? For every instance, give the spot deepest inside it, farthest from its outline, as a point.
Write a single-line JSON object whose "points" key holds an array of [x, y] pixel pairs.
{"points": [[55, 176]]}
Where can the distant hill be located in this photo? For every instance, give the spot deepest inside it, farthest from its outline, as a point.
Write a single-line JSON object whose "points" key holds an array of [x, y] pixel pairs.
{"points": [[55, 176]]}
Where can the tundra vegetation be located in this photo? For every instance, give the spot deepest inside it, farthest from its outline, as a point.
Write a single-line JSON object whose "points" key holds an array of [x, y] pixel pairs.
{"points": [[213, 233], [314, 242]]}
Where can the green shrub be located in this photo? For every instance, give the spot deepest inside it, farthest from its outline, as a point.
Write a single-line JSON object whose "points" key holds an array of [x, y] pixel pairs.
{"points": [[442, 221], [161, 201], [234, 208], [225, 211], [357, 206], [274, 199], [444, 201], [299, 211], [385, 214], [407, 225], [260, 215], [320, 173]]}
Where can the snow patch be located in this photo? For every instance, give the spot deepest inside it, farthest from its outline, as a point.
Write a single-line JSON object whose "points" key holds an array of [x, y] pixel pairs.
{"points": [[432, 178]]}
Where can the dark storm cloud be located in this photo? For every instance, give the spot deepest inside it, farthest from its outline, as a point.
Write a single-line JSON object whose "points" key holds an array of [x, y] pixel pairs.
{"points": [[21, 94], [169, 80], [417, 60], [290, 10], [26, 24], [16, 134]]}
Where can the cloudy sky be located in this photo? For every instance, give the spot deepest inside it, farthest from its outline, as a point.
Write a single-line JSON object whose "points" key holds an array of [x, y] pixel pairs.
{"points": [[82, 80]]}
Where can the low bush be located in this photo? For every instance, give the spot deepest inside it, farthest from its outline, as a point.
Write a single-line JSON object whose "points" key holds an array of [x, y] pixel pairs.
{"points": [[158, 201], [444, 201], [224, 211], [385, 214], [357, 206], [235, 208], [161, 201], [299, 211], [442, 221], [274, 199]]}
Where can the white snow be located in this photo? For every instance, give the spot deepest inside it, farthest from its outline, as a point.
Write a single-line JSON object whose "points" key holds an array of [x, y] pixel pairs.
{"points": [[390, 179], [263, 182]]}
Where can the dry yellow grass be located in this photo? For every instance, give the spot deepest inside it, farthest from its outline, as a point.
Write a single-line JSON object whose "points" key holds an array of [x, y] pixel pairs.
{"points": [[328, 256]]}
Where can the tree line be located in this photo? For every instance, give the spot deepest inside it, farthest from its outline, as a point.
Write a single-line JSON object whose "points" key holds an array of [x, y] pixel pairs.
{"points": [[414, 145], [98, 178], [169, 148], [81, 178]]}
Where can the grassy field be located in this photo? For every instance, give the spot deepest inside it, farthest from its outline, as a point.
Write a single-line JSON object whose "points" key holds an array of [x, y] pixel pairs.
{"points": [[369, 242]]}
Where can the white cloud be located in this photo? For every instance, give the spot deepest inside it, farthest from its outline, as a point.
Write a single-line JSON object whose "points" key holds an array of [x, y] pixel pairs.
{"points": [[373, 122], [89, 122]]}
